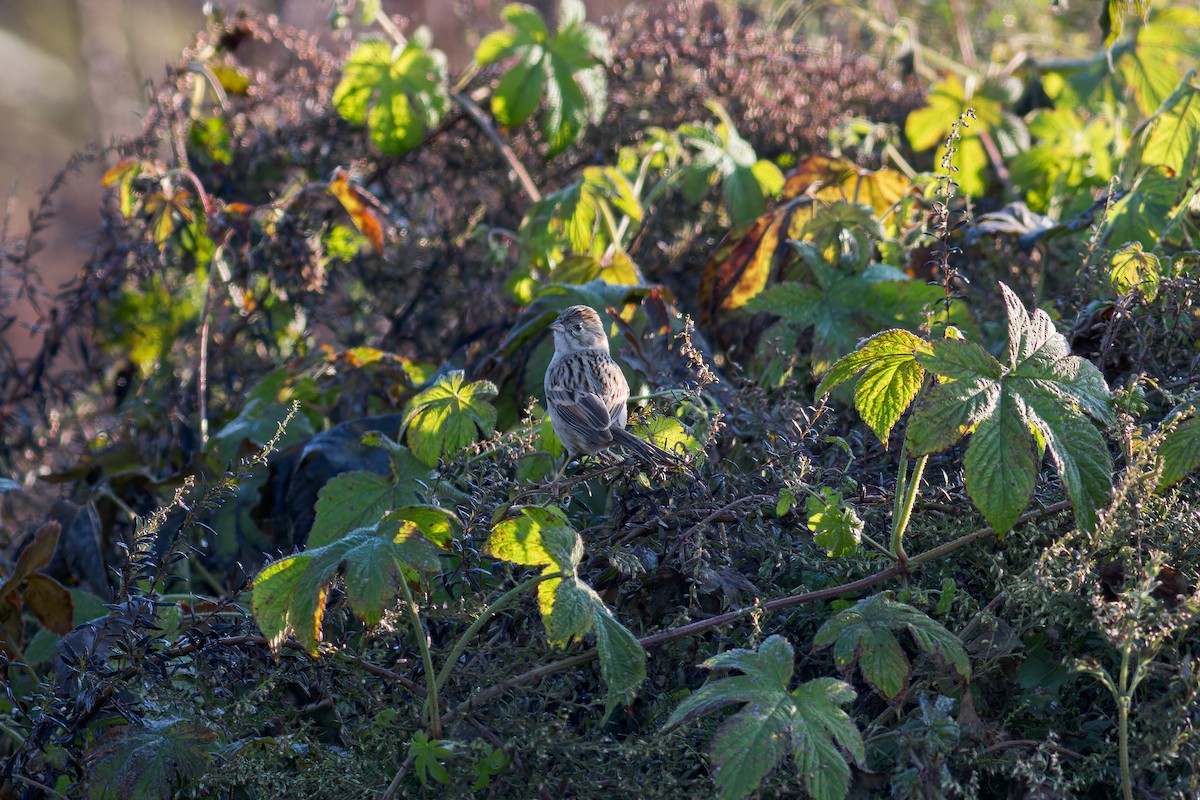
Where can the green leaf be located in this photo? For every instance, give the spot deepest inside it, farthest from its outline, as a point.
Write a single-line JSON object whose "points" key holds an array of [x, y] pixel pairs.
{"points": [[289, 596], [891, 378], [1071, 157], [574, 218], [721, 155], [836, 524], [622, 658], [1174, 139], [429, 756], [929, 126], [864, 635], [520, 90], [155, 759], [566, 68], [1142, 213], [541, 537], [397, 93], [1131, 268], [357, 499], [538, 537], [1179, 454], [449, 416], [756, 739], [669, 434], [1042, 389]]}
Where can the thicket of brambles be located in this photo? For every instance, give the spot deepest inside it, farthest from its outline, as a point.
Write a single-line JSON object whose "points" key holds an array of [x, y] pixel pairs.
{"points": [[918, 312]]}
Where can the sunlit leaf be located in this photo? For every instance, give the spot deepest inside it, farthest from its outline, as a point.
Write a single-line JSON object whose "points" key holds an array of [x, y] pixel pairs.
{"points": [[891, 377], [1139, 216], [449, 416], [1042, 388], [289, 595], [929, 126], [836, 525], [834, 179], [566, 69], [723, 157], [397, 93], [1133, 268]]}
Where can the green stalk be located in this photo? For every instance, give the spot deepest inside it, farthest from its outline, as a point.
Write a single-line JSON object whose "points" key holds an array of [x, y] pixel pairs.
{"points": [[907, 486], [489, 612], [1123, 703], [431, 697]]}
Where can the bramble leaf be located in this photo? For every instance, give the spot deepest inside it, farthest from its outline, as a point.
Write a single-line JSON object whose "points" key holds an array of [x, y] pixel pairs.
{"points": [[839, 179], [1140, 215], [398, 93], [357, 499], [754, 740], [842, 306], [541, 537], [864, 635], [1180, 452], [449, 416], [575, 218], [836, 524], [153, 759], [1042, 389], [723, 156], [567, 69], [891, 377], [289, 595], [929, 126]]}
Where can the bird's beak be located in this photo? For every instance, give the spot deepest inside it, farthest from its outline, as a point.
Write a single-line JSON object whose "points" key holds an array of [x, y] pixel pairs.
{"points": [[557, 327]]}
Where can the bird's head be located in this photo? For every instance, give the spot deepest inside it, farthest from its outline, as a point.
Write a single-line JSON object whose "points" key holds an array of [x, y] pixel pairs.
{"points": [[578, 328]]}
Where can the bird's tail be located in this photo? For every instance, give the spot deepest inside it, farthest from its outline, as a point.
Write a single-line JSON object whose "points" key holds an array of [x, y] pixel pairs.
{"points": [[648, 452]]}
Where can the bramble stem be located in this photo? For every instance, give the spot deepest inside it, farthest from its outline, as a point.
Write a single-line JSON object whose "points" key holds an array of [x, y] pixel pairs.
{"points": [[431, 699]]}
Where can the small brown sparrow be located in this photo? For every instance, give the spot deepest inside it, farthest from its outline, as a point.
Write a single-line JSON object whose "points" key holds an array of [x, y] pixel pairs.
{"points": [[586, 391]]}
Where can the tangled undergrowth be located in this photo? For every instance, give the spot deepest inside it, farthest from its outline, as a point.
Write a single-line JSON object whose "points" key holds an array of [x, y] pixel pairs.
{"points": [[284, 517]]}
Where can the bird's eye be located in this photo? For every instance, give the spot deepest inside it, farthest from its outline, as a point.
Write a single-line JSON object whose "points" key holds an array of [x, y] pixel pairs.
{"points": [[578, 326]]}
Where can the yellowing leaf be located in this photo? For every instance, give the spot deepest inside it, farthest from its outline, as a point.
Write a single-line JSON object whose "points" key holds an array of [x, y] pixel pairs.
{"points": [[1132, 268], [359, 205], [834, 179]]}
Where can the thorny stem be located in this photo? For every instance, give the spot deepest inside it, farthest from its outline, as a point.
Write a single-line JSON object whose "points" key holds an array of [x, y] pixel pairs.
{"points": [[431, 699], [518, 169], [779, 604]]}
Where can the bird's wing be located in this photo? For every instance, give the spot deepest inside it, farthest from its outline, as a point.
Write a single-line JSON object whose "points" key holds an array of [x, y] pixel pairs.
{"points": [[583, 413]]}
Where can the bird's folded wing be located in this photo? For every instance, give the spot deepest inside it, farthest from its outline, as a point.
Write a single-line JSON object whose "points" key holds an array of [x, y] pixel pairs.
{"points": [[583, 412]]}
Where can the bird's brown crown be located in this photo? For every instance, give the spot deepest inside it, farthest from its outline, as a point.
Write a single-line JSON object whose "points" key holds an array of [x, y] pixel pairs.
{"points": [[580, 327]]}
